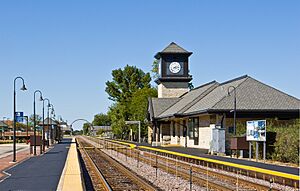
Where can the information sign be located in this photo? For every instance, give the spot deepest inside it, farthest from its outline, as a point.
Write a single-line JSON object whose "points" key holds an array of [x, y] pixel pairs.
{"points": [[256, 130], [19, 117]]}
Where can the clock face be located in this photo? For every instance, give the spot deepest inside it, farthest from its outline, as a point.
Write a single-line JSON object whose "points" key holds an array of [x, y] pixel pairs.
{"points": [[175, 67]]}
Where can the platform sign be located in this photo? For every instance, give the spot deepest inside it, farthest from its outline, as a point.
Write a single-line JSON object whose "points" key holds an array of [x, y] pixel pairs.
{"points": [[19, 117], [256, 130]]}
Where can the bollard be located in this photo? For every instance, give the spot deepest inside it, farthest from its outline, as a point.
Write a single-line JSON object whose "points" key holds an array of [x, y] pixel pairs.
{"points": [[176, 167], [207, 176], [138, 158], [156, 165], [191, 178], [167, 164], [237, 180], [271, 182]]}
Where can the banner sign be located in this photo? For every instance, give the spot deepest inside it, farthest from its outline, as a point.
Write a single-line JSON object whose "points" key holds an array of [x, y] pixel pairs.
{"points": [[19, 117], [256, 130]]}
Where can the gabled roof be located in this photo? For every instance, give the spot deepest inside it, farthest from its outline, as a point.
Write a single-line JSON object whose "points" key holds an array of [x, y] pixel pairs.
{"points": [[187, 99], [251, 95], [258, 97], [158, 105], [104, 127], [3, 124], [172, 48], [51, 122], [215, 96]]}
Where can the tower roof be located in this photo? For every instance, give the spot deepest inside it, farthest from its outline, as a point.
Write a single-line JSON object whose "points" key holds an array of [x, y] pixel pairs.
{"points": [[172, 48]]}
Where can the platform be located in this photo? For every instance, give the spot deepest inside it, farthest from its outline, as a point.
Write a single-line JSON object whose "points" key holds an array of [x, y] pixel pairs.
{"points": [[190, 152], [40, 172], [71, 177]]}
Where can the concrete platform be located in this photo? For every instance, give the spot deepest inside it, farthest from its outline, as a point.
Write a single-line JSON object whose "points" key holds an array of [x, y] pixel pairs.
{"points": [[246, 162], [38, 173], [71, 178]]}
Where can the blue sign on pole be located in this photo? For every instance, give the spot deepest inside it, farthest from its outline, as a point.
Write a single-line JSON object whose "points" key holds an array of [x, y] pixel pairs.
{"points": [[19, 117]]}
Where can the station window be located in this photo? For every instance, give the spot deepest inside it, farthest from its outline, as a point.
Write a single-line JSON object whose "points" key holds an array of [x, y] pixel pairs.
{"points": [[173, 129], [193, 124]]}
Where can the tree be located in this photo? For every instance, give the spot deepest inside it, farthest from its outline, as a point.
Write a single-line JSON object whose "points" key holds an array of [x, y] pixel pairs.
{"points": [[155, 68], [129, 90], [21, 126], [38, 119], [100, 132], [125, 82], [138, 107], [101, 119], [118, 114], [77, 132], [86, 127]]}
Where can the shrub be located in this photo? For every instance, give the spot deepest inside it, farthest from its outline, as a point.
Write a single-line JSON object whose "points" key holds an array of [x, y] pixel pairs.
{"points": [[287, 143]]}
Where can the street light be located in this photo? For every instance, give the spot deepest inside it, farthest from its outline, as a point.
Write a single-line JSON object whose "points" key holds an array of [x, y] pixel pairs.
{"points": [[52, 115], [34, 122], [234, 110], [14, 115], [43, 135]]}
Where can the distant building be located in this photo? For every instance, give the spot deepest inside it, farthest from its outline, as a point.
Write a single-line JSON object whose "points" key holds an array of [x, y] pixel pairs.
{"points": [[3, 127], [202, 117], [65, 128], [107, 131]]}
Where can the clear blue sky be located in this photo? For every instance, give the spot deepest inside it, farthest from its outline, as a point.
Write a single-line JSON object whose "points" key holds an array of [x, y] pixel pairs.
{"points": [[67, 49]]}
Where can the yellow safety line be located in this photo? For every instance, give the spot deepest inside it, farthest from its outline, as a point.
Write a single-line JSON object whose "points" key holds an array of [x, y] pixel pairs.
{"points": [[124, 143], [71, 179], [255, 169], [251, 168]]}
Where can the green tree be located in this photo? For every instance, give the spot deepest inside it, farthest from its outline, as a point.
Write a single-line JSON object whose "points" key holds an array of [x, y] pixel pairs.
{"points": [[101, 119], [21, 127], [118, 114], [86, 127], [38, 119], [125, 82], [155, 68], [129, 89], [138, 107], [100, 132]]}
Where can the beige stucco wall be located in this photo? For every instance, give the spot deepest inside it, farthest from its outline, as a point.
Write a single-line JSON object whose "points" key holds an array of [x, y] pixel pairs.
{"points": [[172, 89], [150, 131]]}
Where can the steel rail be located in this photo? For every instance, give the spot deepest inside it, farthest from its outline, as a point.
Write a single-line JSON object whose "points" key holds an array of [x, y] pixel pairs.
{"points": [[140, 182], [242, 182], [102, 179]]}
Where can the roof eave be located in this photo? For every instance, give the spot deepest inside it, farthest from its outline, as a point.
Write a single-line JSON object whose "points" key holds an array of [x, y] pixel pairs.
{"points": [[158, 55]]}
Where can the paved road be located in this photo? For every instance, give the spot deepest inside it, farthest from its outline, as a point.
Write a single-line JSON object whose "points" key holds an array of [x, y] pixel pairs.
{"points": [[38, 173], [7, 149]]}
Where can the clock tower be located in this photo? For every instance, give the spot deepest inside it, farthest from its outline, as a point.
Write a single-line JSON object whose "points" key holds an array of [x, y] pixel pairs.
{"points": [[174, 77]]}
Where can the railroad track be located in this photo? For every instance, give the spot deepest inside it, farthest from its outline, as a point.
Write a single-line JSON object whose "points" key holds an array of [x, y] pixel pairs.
{"points": [[108, 174], [208, 178]]}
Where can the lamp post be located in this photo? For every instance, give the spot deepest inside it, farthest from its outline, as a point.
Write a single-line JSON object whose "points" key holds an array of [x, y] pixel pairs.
{"points": [[14, 115], [52, 115], [234, 110], [34, 122], [48, 105]]}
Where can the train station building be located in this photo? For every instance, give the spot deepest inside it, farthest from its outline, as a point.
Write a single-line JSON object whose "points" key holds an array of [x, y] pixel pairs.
{"points": [[202, 117]]}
